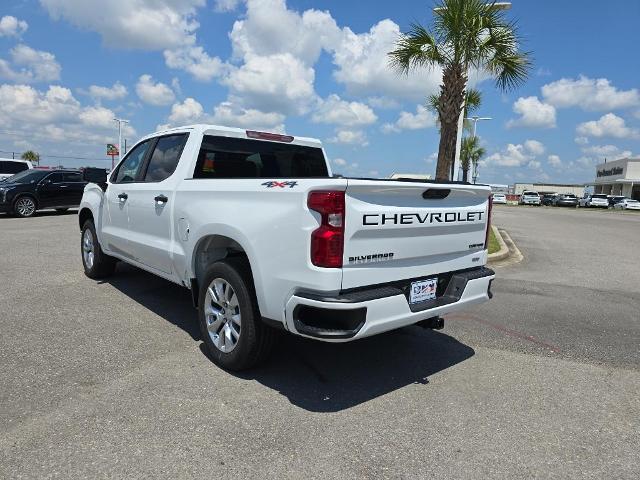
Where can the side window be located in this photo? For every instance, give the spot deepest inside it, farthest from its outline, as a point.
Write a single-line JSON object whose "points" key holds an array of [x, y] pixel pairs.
{"points": [[56, 177], [128, 169], [72, 177], [12, 167], [165, 157]]}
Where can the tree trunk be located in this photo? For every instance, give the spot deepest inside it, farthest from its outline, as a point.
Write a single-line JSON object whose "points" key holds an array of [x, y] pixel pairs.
{"points": [[454, 82], [465, 174]]}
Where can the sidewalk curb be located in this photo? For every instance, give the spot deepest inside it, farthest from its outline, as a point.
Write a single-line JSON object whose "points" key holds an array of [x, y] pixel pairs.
{"points": [[504, 250]]}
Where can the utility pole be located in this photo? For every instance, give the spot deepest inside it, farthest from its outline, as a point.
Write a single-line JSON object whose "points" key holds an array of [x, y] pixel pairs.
{"points": [[120, 122], [475, 121]]}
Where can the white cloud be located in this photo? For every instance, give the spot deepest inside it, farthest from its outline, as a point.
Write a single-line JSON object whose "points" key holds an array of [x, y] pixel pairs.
{"points": [[158, 94], [363, 65], [32, 66], [340, 162], [340, 112], [55, 115], [97, 92], [350, 137], [534, 164], [279, 82], [533, 113], [226, 113], [534, 147], [589, 94], [383, 102], [195, 61], [423, 118], [12, 27], [233, 115], [226, 5], [270, 28], [554, 161], [609, 125], [517, 155], [581, 140], [143, 24], [610, 152]]}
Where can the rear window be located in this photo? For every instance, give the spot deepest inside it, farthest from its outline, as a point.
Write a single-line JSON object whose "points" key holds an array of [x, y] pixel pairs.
{"points": [[223, 157], [604, 197], [12, 167], [534, 194]]}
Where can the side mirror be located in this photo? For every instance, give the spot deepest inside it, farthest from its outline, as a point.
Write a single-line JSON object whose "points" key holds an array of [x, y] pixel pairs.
{"points": [[95, 175]]}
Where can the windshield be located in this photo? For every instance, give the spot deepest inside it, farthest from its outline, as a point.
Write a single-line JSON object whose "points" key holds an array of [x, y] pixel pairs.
{"points": [[632, 201], [28, 176]]}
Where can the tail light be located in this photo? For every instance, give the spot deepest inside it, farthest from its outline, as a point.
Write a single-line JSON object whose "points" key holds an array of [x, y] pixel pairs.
{"points": [[327, 241], [489, 209]]}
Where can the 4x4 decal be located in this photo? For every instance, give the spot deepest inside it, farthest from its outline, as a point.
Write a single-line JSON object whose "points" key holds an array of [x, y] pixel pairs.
{"points": [[274, 184]]}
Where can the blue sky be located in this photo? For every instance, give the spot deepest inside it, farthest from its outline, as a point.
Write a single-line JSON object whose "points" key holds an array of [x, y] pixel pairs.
{"points": [[312, 68]]}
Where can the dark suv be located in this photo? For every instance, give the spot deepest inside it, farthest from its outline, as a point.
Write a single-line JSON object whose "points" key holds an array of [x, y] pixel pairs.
{"points": [[26, 192]]}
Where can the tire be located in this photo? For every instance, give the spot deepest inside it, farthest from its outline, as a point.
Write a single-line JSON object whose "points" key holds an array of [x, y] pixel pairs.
{"points": [[96, 263], [62, 210], [233, 332], [25, 206]]}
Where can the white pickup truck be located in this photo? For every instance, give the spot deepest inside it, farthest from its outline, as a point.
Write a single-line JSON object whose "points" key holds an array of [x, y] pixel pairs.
{"points": [[256, 226]]}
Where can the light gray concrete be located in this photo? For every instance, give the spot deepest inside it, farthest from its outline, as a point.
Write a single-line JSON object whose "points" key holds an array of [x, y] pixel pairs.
{"points": [[107, 379]]}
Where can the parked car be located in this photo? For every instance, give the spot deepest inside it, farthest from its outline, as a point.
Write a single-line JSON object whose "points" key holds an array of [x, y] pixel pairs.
{"points": [[600, 200], [614, 199], [548, 198], [9, 167], [499, 198], [257, 228], [566, 200], [31, 190], [627, 204], [530, 198]]}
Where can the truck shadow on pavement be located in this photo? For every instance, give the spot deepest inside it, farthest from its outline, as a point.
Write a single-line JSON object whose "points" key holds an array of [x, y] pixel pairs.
{"points": [[315, 376]]}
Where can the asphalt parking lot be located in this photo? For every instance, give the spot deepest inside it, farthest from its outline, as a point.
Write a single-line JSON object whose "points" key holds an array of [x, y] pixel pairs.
{"points": [[107, 379]]}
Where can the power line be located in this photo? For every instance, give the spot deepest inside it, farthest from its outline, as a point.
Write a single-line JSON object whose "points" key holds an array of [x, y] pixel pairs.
{"points": [[63, 157]]}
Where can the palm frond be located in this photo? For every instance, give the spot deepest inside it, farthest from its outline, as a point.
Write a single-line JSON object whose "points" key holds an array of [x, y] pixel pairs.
{"points": [[415, 49]]}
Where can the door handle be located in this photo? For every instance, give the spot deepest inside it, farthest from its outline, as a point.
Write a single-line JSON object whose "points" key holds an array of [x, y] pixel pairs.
{"points": [[123, 197], [161, 199]]}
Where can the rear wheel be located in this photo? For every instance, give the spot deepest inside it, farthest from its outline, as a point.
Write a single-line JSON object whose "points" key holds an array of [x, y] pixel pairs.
{"points": [[24, 206], [232, 329], [96, 263]]}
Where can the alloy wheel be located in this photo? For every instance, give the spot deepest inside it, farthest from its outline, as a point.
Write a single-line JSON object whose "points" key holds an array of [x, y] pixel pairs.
{"points": [[87, 249], [222, 315], [25, 207]]}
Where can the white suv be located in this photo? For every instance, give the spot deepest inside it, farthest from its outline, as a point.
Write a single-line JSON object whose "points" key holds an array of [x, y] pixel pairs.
{"points": [[596, 200], [9, 167], [530, 198]]}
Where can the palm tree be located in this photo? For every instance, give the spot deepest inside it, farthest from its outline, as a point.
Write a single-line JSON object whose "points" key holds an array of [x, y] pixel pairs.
{"points": [[470, 154], [30, 155], [472, 102], [465, 34]]}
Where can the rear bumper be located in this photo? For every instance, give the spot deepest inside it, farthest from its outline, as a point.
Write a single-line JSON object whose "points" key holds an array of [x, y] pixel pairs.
{"points": [[365, 312]]}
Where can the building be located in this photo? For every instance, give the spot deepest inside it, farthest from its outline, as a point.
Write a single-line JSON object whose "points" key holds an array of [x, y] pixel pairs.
{"points": [[620, 177], [544, 188], [495, 188]]}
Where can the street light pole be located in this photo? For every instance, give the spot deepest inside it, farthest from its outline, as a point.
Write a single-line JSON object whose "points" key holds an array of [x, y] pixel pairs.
{"points": [[120, 122], [475, 121]]}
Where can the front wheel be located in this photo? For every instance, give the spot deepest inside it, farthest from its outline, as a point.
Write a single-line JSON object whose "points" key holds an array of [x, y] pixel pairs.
{"points": [[25, 207], [96, 263], [232, 329]]}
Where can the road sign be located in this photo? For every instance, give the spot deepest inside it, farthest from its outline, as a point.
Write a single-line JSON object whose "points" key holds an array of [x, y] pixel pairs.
{"points": [[112, 150]]}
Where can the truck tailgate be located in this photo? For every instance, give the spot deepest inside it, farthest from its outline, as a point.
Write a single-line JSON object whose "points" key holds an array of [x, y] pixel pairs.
{"points": [[405, 230]]}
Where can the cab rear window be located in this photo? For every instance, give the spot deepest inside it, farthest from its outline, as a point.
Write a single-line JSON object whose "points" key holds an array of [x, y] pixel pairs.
{"points": [[224, 157]]}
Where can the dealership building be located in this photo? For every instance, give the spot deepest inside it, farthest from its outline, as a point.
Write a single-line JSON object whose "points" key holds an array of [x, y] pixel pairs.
{"points": [[620, 177]]}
